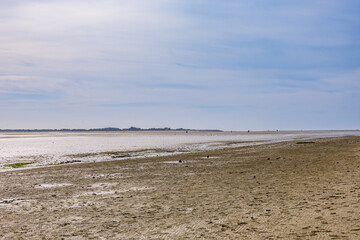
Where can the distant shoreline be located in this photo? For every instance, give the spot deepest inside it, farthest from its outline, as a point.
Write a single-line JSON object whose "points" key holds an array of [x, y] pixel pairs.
{"points": [[109, 129], [165, 129]]}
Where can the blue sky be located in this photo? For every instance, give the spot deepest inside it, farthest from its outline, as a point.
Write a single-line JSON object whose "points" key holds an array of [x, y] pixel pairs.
{"points": [[232, 65]]}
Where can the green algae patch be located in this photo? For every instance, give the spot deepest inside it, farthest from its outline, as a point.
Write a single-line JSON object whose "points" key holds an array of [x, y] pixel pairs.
{"points": [[17, 165]]}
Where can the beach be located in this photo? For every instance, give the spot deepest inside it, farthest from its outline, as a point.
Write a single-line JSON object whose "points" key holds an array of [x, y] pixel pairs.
{"points": [[299, 189]]}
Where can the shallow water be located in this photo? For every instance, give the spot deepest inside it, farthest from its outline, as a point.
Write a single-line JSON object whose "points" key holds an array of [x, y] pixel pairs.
{"points": [[54, 147]]}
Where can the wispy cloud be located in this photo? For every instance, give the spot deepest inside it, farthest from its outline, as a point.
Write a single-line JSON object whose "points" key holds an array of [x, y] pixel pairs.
{"points": [[28, 96], [132, 104], [177, 86]]}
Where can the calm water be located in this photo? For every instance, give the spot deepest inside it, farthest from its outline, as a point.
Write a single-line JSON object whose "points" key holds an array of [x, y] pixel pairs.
{"points": [[49, 148]]}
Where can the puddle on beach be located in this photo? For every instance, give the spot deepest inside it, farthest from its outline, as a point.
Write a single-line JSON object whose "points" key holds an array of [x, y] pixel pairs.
{"points": [[110, 176], [53, 185], [100, 190]]}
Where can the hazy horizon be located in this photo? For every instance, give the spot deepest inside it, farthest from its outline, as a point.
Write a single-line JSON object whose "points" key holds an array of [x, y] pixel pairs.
{"points": [[228, 65], [173, 129]]}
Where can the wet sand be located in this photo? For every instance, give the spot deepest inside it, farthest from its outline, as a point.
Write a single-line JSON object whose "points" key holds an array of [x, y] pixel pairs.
{"points": [[47, 148], [289, 190]]}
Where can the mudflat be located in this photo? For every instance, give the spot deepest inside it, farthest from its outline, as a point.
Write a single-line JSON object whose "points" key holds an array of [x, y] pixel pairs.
{"points": [[289, 190]]}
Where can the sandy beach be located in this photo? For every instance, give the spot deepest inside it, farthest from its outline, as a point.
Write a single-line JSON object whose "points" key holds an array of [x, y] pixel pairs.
{"points": [[306, 189]]}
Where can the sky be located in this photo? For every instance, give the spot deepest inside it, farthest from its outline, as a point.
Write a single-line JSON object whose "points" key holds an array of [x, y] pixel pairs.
{"points": [[204, 64]]}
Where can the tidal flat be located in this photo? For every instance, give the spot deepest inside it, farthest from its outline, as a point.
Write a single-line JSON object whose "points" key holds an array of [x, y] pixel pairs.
{"points": [[297, 189], [39, 149]]}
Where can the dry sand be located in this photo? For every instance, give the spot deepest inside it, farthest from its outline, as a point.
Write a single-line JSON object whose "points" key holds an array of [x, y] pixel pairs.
{"points": [[283, 190]]}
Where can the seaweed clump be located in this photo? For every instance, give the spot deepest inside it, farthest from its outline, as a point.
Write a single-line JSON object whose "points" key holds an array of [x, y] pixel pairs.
{"points": [[18, 165]]}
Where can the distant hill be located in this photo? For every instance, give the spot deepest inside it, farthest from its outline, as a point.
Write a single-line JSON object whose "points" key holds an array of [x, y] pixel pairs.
{"points": [[108, 129]]}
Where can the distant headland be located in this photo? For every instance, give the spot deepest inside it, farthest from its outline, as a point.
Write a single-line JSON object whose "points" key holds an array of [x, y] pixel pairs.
{"points": [[109, 129]]}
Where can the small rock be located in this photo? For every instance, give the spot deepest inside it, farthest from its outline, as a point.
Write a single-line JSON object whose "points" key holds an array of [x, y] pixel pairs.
{"points": [[242, 223]]}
